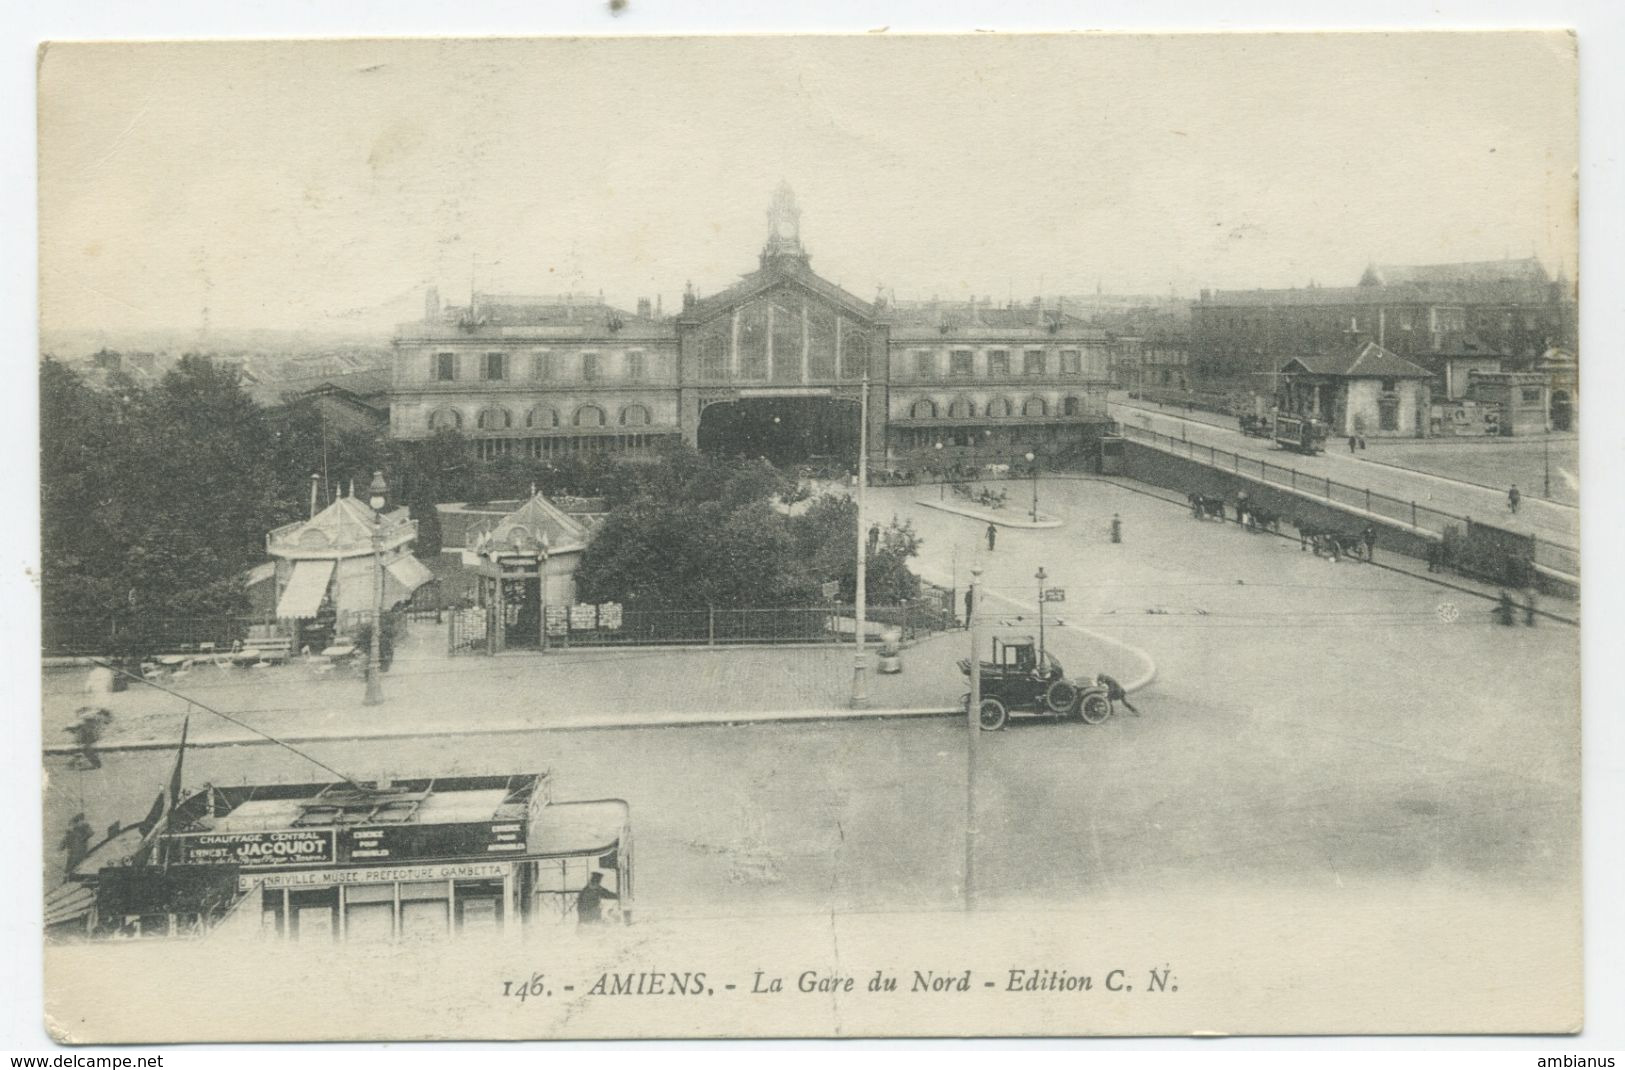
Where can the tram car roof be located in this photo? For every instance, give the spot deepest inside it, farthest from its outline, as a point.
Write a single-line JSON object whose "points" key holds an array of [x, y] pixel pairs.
{"points": [[417, 801]]}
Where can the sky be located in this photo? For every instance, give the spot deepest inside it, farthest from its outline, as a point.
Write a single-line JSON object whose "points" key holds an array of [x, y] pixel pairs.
{"points": [[324, 185]]}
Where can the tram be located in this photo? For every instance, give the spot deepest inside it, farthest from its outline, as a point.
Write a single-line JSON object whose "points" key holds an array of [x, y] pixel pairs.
{"points": [[401, 860], [1304, 434]]}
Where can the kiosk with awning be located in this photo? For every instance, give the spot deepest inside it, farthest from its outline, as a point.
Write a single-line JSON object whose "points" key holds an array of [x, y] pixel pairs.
{"points": [[327, 566]]}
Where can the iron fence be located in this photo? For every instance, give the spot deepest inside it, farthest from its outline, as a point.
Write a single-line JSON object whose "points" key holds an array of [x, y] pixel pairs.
{"points": [[117, 636], [1548, 554], [470, 630]]}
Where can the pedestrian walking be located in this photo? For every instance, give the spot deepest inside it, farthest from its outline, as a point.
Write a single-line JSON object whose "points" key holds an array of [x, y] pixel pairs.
{"points": [[1503, 610], [1434, 555], [1241, 507], [1117, 528], [1115, 692], [1362, 442], [86, 734], [1529, 608], [874, 539], [590, 901], [992, 537], [1513, 498], [1369, 537], [970, 596], [1351, 443], [76, 841]]}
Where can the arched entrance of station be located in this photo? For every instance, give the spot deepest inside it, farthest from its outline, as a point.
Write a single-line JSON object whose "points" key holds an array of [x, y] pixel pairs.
{"points": [[785, 430]]}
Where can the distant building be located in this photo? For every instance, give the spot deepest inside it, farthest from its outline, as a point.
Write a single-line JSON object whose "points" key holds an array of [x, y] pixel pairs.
{"points": [[772, 364], [1511, 306], [353, 401], [1365, 390]]}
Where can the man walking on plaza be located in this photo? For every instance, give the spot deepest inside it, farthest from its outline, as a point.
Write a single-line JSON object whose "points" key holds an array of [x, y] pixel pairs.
{"points": [[1369, 537], [992, 537], [1513, 498], [76, 841]]}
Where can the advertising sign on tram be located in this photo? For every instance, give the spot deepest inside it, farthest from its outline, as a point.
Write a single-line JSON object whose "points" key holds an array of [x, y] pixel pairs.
{"points": [[287, 847]]}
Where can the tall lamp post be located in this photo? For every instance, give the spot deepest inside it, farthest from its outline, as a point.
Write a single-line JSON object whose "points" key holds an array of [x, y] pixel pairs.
{"points": [[1041, 576], [378, 495], [942, 474], [860, 681], [1032, 460], [1546, 457], [973, 714]]}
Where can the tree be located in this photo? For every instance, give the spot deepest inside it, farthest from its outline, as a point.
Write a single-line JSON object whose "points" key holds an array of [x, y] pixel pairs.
{"points": [[153, 501]]}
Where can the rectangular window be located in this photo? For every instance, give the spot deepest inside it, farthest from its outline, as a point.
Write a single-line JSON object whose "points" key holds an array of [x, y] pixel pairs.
{"points": [[998, 363], [541, 365], [1390, 385], [496, 365], [445, 367], [963, 364], [635, 369], [925, 364], [1532, 394], [1071, 362], [1032, 363], [589, 367]]}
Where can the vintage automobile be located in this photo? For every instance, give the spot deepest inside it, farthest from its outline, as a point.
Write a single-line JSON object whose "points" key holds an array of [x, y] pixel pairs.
{"points": [[1022, 678]]}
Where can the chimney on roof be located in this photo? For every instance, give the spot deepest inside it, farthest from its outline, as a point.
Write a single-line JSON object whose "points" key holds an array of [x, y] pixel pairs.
{"points": [[643, 307], [688, 296]]}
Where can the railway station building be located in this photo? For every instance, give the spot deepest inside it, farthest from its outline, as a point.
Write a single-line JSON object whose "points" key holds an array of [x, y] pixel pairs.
{"points": [[771, 366]]}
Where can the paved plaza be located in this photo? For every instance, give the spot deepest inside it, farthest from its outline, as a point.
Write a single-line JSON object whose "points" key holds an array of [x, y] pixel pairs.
{"points": [[1308, 723]]}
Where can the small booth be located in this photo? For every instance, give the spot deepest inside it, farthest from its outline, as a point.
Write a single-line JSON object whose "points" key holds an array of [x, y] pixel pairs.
{"points": [[408, 860], [525, 563]]}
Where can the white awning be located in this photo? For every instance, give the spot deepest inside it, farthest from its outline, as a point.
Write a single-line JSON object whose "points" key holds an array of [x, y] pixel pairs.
{"points": [[409, 572], [302, 597]]}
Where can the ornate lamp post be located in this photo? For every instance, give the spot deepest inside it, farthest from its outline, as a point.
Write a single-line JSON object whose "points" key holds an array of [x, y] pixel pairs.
{"points": [[1032, 459], [378, 495], [860, 682], [1041, 576], [973, 709]]}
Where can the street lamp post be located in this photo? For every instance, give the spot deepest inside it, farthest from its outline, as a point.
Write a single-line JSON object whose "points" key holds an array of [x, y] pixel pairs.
{"points": [[860, 681], [1546, 460], [942, 474], [973, 713], [1041, 576], [378, 496], [1032, 460]]}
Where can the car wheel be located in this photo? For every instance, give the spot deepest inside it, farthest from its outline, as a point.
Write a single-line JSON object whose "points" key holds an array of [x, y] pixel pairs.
{"points": [[1095, 709], [1061, 697], [992, 715]]}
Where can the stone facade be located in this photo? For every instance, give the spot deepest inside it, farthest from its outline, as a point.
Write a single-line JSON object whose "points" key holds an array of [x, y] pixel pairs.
{"points": [[546, 377]]}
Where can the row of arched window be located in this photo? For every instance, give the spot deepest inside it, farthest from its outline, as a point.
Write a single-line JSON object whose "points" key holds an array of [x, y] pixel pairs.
{"points": [[539, 418], [997, 409]]}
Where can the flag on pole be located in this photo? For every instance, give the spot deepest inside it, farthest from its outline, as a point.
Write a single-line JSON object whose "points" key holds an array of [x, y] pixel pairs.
{"points": [[163, 806]]}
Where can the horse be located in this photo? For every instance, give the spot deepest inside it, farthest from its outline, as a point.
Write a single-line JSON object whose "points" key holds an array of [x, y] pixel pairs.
{"points": [[1308, 533], [1213, 507], [1259, 519]]}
